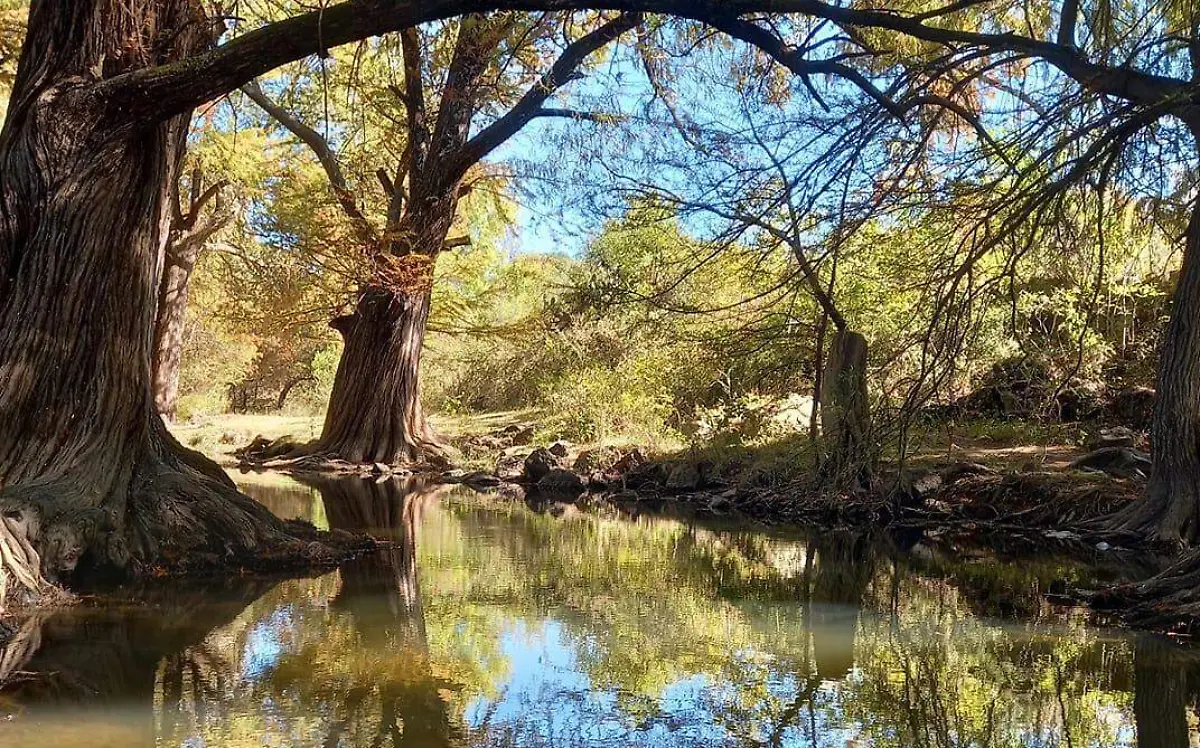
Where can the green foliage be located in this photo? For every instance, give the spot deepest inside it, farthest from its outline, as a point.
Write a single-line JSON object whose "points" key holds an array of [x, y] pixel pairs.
{"points": [[615, 343]]}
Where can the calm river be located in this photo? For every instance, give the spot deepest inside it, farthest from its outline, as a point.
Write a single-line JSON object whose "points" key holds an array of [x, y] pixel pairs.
{"points": [[494, 623]]}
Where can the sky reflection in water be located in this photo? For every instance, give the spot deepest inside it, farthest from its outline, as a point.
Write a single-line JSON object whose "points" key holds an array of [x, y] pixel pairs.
{"points": [[491, 623]]}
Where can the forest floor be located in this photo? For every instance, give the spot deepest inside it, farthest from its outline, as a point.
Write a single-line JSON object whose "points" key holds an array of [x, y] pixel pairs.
{"points": [[1001, 473], [217, 436]]}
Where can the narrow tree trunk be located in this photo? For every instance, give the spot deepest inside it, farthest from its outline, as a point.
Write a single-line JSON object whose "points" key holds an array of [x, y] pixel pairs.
{"points": [[845, 415], [89, 476], [287, 390], [168, 334]]}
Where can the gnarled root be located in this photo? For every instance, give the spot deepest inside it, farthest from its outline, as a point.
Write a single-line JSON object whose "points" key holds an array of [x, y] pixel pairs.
{"points": [[422, 455], [172, 512], [21, 580], [1170, 600]]}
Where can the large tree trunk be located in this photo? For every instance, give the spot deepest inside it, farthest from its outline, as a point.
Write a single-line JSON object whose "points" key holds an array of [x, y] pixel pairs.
{"points": [[375, 412], [1170, 511], [88, 473]]}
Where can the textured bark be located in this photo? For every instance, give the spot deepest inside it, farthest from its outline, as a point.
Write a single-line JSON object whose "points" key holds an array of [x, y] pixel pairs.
{"points": [[1171, 509], [168, 335], [89, 476], [375, 410], [845, 416], [185, 239]]}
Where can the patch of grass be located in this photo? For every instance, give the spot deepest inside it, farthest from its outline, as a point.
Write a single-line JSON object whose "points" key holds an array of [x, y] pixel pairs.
{"points": [[757, 465], [217, 436], [1016, 432]]}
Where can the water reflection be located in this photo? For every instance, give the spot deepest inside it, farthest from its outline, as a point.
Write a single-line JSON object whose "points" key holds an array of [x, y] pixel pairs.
{"points": [[485, 623]]}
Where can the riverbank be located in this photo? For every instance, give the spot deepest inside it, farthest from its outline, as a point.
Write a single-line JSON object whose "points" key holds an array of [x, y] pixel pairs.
{"points": [[988, 485], [996, 474]]}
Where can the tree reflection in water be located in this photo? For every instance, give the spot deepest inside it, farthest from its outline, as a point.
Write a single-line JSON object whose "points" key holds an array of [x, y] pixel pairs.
{"points": [[586, 628]]}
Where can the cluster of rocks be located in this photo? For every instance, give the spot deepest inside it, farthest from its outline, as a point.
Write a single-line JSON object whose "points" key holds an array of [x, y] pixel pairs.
{"points": [[557, 470]]}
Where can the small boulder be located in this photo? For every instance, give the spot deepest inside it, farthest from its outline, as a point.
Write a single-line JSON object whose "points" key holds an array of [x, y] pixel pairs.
{"points": [[382, 468], [539, 464], [560, 448], [1133, 407], [562, 482], [685, 476], [598, 459], [488, 442], [646, 475], [453, 476], [629, 462], [510, 468], [519, 434]]}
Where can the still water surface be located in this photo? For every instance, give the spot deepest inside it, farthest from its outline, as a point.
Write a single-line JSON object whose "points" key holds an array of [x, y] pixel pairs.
{"points": [[493, 623]]}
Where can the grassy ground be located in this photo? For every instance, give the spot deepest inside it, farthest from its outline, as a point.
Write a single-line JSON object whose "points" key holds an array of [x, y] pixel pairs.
{"points": [[1002, 445], [218, 436]]}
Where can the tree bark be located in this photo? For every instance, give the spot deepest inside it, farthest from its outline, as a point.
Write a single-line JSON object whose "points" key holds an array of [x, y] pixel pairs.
{"points": [[1170, 511], [845, 415], [375, 412], [168, 334], [90, 478], [185, 240]]}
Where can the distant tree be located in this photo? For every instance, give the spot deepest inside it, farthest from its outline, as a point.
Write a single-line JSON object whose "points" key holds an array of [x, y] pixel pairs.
{"points": [[375, 412], [196, 218]]}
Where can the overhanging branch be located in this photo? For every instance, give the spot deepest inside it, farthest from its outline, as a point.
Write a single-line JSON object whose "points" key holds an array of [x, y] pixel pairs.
{"points": [[530, 105], [325, 155], [154, 94]]}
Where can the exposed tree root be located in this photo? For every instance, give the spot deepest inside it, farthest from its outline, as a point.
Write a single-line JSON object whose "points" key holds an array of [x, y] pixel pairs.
{"points": [[313, 458], [1168, 601], [21, 580], [175, 512]]}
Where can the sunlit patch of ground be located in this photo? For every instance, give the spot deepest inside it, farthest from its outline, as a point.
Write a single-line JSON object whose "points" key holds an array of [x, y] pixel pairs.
{"points": [[218, 436]]}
